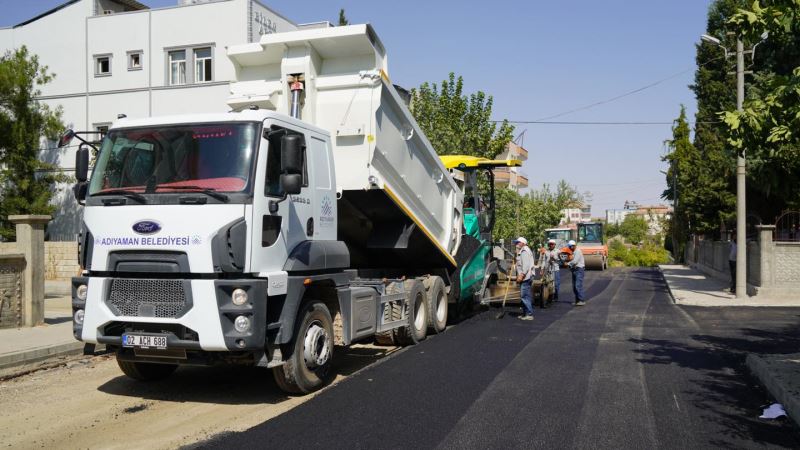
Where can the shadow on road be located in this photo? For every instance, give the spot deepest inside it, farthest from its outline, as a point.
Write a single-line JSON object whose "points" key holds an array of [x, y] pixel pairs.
{"points": [[237, 385], [722, 389]]}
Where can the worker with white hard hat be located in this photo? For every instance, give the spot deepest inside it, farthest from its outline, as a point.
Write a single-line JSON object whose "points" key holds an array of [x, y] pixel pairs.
{"points": [[578, 266], [525, 267], [549, 264]]}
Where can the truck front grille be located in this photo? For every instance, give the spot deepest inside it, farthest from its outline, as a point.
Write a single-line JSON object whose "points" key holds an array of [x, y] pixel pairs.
{"points": [[148, 297]]}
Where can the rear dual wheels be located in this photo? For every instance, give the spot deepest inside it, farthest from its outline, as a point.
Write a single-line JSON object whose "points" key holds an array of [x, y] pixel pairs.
{"points": [[437, 304], [417, 311], [416, 328], [308, 367]]}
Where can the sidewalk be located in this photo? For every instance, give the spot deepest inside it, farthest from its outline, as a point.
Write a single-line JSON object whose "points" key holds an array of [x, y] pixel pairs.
{"points": [[22, 349], [691, 287]]}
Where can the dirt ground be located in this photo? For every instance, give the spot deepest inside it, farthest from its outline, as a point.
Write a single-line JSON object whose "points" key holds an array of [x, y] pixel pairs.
{"points": [[89, 403]]}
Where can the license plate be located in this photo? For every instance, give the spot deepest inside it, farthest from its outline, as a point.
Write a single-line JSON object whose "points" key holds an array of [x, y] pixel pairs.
{"points": [[144, 341]]}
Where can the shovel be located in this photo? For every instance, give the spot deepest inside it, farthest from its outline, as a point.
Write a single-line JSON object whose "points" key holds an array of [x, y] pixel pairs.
{"points": [[505, 296]]}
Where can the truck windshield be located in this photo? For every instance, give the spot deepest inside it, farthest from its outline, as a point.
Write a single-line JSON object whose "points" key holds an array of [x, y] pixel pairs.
{"points": [[558, 235], [175, 158], [591, 232]]}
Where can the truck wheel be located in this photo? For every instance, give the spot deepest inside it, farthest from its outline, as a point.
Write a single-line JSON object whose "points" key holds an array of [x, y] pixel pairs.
{"points": [[308, 367], [437, 304], [146, 371], [417, 304]]}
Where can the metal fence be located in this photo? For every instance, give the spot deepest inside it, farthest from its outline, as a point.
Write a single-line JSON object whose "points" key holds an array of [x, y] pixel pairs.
{"points": [[787, 227]]}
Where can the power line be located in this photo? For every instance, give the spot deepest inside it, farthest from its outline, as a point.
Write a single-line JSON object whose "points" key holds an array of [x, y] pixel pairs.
{"points": [[540, 122], [635, 91]]}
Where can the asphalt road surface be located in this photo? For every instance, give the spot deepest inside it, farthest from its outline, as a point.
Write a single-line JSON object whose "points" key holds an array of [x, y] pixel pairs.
{"points": [[629, 370]]}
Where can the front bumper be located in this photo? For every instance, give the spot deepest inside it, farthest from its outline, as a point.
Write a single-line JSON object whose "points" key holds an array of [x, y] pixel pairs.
{"points": [[203, 322]]}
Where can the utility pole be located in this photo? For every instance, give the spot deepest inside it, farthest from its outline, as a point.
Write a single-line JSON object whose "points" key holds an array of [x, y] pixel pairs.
{"points": [[741, 210], [741, 207]]}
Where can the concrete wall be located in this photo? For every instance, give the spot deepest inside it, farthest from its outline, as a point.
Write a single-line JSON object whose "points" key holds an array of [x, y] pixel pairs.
{"points": [[773, 268], [11, 295], [60, 258]]}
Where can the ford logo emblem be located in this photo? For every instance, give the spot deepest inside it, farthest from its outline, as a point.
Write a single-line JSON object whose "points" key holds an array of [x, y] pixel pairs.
{"points": [[146, 227]]}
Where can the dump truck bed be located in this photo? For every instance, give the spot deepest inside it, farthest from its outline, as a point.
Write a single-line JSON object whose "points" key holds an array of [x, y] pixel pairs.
{"points": [[398, 203]]}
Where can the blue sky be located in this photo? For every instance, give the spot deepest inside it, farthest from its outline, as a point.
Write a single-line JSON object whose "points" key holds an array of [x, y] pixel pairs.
{"points": [[538, 58]]}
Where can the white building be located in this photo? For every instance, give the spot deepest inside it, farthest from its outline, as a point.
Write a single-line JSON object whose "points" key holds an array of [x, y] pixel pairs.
{"points": [[115, 57], [511, 177], [575, 215], [616, 216]]}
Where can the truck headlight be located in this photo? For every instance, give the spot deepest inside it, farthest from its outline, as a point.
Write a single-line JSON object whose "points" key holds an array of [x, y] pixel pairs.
{"points": [[242, 324], [239, 297], [78, 317], [81, 292]]}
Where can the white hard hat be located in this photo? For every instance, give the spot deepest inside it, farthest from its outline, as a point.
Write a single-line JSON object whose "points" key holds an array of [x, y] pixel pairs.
{"points": [[571, 243], [551, 241], [521, 239]]}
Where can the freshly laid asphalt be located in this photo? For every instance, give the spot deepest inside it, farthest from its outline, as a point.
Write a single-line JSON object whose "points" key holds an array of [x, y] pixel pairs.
{"points": [[629, 370]]}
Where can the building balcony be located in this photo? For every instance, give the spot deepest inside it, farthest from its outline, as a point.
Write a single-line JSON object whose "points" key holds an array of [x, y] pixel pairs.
{"points": [[504, 176]]}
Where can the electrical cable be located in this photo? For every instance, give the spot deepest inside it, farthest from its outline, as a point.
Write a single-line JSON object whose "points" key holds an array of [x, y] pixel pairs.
{"points": [[617, 97]]}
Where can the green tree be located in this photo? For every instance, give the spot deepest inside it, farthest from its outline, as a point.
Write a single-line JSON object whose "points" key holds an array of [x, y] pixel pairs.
{"points": [[567, 196], [456, 123], [633, 229], [508, 210], [692, 187], [530, 214], [26, 180], [342, 18], [713, 165], [767, 128], [542, 210]]}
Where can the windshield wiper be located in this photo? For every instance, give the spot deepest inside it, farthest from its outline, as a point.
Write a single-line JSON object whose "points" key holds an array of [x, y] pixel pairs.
{"points": [[130, 194], [211, 192]]}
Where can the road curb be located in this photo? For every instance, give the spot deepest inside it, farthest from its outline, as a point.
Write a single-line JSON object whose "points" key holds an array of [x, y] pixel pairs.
{"points": [[669, 289], [775, 384], [37, 355]]}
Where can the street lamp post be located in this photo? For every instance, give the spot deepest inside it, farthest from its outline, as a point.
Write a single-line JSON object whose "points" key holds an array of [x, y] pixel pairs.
{"points": [[741, 210], [741, 198]]}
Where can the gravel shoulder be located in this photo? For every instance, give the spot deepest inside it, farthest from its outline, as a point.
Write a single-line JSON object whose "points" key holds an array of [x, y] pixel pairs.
{"points": [[89, 403]]}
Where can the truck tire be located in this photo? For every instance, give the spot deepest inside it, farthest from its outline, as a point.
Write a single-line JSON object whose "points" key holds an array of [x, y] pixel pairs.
{"points": [[146, 371], [308, 366], [437, 303], [417, 314]]}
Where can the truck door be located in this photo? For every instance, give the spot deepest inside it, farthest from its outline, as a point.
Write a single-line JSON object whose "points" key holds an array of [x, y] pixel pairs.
{"points": [[280, 221]]}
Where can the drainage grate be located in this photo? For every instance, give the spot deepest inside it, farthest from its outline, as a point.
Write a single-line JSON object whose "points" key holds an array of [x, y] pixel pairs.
{"points": [[147, 298]]}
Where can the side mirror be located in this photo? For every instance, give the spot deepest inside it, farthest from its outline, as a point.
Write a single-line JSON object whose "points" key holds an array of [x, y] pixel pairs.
{"points": [[293, 148], [66, 138], [82, 164], [291, 184]]}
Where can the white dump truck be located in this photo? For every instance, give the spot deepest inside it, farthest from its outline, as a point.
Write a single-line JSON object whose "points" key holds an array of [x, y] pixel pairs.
{"points": [[315, 213]]}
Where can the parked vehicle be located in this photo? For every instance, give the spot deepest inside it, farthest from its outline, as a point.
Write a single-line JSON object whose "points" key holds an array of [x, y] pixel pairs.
{"points": [[315, 214]]}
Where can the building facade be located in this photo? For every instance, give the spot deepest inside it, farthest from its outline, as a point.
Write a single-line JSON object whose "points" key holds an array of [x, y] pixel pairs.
{"points": [[511, 177], [575, 215], [114, 57], [616, 216]]}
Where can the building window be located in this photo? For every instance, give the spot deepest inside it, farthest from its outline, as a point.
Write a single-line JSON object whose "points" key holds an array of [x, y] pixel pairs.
{"points": [[135, 60], [177, 67], [202, 65], [190, 64], [102, 65]]}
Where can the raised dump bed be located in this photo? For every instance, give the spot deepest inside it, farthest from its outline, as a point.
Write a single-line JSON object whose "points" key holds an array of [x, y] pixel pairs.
{"points": [[398, 205]]}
